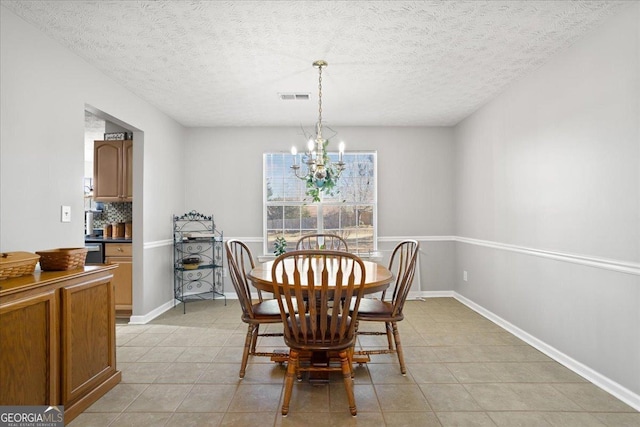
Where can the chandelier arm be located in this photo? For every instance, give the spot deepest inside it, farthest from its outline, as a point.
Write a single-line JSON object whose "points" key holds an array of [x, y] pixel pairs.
{"points": [[296, 168]]}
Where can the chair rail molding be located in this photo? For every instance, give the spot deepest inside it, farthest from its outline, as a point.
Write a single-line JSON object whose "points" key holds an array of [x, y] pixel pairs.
{"points": [[158, 244], [418, 238], [591, 261], [603, 263]]}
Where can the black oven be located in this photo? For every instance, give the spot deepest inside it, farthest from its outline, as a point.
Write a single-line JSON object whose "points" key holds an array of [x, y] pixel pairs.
{"points": [[95, 253]]}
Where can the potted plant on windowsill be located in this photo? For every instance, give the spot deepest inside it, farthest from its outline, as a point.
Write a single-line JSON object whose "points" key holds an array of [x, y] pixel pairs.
{"points": [[279, 246]]}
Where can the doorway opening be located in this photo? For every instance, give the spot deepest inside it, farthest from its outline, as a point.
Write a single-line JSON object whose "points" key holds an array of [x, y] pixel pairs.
{"points": [[110, 219]]}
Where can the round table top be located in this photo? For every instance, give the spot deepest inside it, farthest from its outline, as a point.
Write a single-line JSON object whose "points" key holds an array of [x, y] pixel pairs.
{"points": [[377, 279]]}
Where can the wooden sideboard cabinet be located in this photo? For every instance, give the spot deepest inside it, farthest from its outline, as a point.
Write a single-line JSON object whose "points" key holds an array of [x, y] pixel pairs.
{"points": [[120, 254], [57, 338], [113, 171], [30, 349]]}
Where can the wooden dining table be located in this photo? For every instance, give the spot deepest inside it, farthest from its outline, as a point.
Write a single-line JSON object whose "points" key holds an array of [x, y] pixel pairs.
{"points": [[377, 279], [377, 276]]}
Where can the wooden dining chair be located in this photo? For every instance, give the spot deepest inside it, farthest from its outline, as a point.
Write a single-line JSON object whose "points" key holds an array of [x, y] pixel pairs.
{"points": [[331, 242], [264, 311], [304, 290], [389, 308]]}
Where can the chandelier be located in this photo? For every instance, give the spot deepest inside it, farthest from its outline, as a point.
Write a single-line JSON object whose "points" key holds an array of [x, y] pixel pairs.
{"points": [[321, 174]]}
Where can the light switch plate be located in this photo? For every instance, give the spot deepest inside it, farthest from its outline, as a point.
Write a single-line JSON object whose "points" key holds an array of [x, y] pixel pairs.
{"points": [[65, 214]]}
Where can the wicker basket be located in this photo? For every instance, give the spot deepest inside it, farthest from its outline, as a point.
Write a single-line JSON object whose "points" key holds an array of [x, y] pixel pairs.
{"points": [[62, 259], [16, 264]]}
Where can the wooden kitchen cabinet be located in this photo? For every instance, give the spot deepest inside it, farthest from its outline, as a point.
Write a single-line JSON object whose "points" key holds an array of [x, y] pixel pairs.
{"points": [[121, 254], [113, 171], [57, 339]]}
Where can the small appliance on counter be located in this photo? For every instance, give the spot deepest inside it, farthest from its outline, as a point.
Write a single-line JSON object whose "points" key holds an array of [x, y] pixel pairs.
{"points": [[89, 223]]}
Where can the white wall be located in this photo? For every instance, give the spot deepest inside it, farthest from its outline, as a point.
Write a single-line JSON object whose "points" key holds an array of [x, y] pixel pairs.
{"points": [[225, 175], [224, 178], [43, 92], [553, 165]]}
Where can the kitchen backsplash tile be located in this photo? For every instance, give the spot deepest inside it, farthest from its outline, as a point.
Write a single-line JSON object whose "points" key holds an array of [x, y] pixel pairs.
{"points": [[113, 212]]}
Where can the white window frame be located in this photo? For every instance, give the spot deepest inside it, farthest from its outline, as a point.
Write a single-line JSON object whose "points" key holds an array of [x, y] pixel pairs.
{"points": [[268, 246]]}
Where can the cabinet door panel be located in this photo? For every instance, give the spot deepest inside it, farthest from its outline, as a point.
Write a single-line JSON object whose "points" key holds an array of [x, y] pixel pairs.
{"points": [[107, 171], [122, 280], [88, 336], [29, 351]]}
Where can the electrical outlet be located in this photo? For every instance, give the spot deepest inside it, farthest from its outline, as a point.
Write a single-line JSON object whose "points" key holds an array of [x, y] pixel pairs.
{"points": [[464, 275], [65, 214]]}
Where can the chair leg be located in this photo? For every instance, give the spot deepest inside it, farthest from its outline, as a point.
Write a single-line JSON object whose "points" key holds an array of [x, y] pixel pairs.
{"points": [[396, 337], [348, 381], [350, 352], [255, 338], [389, 329], [288, 380], [245, 353]]}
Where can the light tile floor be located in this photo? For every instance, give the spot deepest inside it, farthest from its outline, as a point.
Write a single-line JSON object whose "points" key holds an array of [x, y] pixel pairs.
{"points": [[463, 370]]}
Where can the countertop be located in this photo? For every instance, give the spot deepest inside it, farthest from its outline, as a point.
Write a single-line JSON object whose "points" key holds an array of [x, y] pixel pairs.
{"points": [[41, 278], [100, 239]]}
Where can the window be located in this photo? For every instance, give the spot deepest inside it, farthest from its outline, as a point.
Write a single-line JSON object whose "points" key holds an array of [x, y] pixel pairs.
{"points": [[350, 213]]}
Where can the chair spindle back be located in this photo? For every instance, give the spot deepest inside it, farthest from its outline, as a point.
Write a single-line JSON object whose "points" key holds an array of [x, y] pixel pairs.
{"points": [[324, 241], [315, 289]]}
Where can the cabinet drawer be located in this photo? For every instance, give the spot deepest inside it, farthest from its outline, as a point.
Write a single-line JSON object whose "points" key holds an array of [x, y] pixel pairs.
{"points": [[117, 249]]}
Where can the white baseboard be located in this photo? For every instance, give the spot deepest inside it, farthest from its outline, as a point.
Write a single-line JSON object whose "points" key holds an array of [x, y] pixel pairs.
{"points": [[612, 387], [141, 320], [421, 295]]}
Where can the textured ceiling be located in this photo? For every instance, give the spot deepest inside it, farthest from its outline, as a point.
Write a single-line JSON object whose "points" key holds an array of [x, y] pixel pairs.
{"points": [[223, 63]]}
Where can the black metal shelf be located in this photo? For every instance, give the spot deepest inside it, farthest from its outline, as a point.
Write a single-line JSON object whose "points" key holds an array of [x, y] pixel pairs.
{"points": [[206, 280]]}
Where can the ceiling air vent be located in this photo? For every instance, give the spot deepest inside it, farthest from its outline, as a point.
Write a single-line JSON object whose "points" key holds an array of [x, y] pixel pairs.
{"points": [[290, 96]]}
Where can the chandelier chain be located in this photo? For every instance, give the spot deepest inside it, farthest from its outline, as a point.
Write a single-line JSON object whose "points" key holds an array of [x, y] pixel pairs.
{"points": [[320, 101]]}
